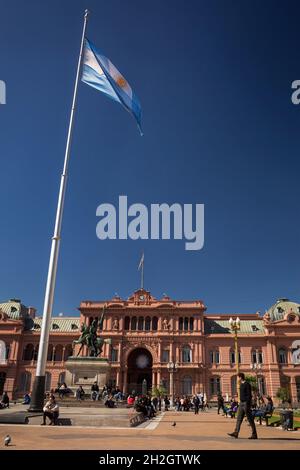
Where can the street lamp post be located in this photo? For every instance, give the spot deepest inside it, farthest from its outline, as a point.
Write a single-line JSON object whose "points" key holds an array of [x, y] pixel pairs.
{"points": [[256, 367], [172, 367], [235, 325]]}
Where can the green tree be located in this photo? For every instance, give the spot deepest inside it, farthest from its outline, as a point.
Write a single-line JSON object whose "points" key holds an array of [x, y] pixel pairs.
{"points": [[252, 381], [283, 394], [159, 391]]}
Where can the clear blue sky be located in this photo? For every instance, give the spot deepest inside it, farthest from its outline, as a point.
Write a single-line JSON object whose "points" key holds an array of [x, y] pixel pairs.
{"points": [[214, 79]]}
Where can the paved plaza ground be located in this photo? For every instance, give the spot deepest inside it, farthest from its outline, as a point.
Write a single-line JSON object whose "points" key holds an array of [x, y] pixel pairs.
{"points": [[206, 431]]}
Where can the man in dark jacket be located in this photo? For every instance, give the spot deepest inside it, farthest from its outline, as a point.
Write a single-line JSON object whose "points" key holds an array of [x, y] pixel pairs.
{"points": [[244, 407]]}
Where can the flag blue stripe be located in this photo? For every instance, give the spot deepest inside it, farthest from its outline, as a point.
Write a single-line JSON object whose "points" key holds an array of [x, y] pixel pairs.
{"points": [[100, 82], [108, 85]]}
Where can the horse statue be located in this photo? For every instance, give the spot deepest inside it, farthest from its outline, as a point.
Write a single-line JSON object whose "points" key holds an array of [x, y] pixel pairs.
{"points": [[90, 339]]}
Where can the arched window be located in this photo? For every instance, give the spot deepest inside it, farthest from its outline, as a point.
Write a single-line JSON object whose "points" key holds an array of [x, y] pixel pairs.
{"points": [[186, 354], [187, 385], [186, 324], [141, 323], [58, 353], [148, 324], [282, 356], [48, 381], [62, 377], [180, 323], [50, 353], [68, 351], [28, 352], [261, 385], [133, 323], [36, 352], [3, 356], [25, 381], [127, 323], [215, 385], [7, 351], [191, 323], [154, 323]]}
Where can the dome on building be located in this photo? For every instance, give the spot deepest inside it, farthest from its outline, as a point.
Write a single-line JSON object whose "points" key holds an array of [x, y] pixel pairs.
{"points": [[14, 309], [282, 307]]}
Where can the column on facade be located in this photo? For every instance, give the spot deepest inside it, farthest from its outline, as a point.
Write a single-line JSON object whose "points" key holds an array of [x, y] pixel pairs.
{"points": [[200, 381], [171, 355], [159, 325], [125, 385], [270, 353], [293, 389], [159, 352], [195, 353], [200, 359], [177, 353], [118, 378], [158, 377], [153, 378], [122, 323], [120, 355], [53, 354]]}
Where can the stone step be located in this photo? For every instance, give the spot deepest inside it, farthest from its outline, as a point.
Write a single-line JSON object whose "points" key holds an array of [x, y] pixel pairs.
{"points": [[98, 420], [66, 402]]}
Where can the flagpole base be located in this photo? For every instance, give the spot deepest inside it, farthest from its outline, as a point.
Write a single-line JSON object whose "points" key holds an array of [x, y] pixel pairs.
{"points": [[38, 393]]}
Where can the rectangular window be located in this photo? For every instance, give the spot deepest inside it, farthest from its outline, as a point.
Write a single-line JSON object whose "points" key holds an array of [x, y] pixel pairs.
{"points": [[165, 355], [114, 355], [217, 357]]}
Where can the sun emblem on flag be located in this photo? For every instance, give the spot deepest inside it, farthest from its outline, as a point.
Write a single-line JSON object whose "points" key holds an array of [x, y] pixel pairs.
{"points": [[121, 81]]}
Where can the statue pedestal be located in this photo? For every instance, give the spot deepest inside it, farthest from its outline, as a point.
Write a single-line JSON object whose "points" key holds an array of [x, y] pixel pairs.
{"points": [[85, 371]]}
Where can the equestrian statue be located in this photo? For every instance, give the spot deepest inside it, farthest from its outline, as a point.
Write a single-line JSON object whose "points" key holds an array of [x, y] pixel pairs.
{"points": [[90, 339]]}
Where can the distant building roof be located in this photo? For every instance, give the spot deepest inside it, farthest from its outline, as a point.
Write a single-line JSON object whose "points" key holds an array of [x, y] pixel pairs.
{"points": [[59, 324], [253, 327]]}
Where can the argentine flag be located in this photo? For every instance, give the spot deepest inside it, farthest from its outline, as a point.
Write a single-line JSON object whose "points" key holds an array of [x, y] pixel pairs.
{"points": [[100, 73]]}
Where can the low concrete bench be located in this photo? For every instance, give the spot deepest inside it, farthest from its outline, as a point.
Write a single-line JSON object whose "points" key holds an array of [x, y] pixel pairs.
{"points": [[137, 419], [14, 418]]}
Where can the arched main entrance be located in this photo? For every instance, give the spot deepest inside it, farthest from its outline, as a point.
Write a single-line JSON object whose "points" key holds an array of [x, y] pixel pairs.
{"points": [[139, 370]]}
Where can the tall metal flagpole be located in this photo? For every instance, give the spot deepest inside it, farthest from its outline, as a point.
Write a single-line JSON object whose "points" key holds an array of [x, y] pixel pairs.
{"points": [[38, 391]]}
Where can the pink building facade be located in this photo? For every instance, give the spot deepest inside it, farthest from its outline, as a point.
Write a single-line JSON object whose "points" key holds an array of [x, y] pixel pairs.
{"points": [[149, 335]]}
